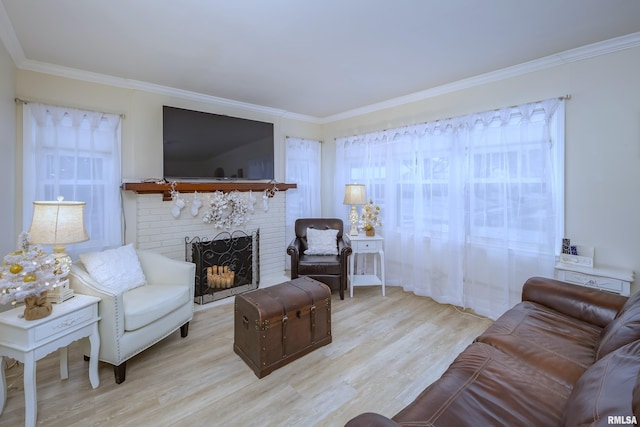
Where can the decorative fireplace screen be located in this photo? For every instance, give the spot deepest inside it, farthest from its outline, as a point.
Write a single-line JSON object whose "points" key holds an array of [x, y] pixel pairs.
{"points": [[226, 265]]}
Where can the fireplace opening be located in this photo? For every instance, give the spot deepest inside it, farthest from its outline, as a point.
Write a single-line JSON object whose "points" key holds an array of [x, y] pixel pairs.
{"points": [[226, 265]]}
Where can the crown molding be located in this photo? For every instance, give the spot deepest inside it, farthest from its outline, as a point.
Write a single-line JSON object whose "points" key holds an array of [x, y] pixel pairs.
{"points": [[585, 52], [76, 74], [88, 76]]}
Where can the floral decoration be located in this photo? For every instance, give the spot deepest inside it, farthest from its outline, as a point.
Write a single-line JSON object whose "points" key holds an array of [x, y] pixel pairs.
{"points": [[28, 271], [226, 210], [370, 216]]}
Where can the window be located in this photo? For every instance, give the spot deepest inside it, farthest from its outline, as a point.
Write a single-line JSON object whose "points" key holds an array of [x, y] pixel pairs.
{"points": [[75, 154], [469, 203], [303, 159]]}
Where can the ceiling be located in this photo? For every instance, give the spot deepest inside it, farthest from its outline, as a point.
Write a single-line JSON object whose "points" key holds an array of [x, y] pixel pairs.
{"points": [[308, 57]]}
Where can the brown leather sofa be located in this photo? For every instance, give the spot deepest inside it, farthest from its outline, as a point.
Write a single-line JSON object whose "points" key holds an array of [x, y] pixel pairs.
{"points": [[328, 269], [566, 355]]}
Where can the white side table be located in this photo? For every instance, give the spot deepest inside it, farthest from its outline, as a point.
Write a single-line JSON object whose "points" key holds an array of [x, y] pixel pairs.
{"points": [[361, 245], [30, 340], [607, 279]]}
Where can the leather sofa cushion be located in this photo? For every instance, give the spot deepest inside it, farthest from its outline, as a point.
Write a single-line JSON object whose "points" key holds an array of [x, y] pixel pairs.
{"points": [[606, 389], [486, 387], [555, 344], [587, 304], [146, 304], [625, 328], [319, 264]]}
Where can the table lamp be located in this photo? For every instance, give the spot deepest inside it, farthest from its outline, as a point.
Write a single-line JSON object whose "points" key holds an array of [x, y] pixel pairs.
{"points": [[354, 194], [58, 223]]}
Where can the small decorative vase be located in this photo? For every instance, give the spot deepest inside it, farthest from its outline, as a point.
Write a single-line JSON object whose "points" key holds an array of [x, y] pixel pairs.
{"points": [[370, 232], [37, 307]]}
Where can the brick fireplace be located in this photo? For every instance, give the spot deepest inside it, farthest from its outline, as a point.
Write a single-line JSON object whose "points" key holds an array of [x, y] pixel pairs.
{"points": [[159, 231]]}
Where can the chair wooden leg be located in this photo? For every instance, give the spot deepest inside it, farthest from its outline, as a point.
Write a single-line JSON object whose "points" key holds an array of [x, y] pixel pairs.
{"points": [[184, 330], [120, 372]]}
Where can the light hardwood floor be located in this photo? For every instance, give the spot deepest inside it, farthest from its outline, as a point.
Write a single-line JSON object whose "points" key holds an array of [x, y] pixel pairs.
{"points": [[385, 350]]}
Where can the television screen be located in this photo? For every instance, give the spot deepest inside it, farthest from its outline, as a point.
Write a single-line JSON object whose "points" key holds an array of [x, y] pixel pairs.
{"points": [[207, 146]]}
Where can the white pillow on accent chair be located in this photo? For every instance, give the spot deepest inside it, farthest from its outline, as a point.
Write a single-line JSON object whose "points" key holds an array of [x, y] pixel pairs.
{"points": [[117, 270], [322, 242]]}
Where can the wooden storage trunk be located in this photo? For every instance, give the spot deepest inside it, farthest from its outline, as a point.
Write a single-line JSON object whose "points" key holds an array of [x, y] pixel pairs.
{"points": [[279, 324]]}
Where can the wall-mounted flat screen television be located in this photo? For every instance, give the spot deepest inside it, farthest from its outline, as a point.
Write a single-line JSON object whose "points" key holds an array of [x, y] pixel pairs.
{"points": [[206, 146]]}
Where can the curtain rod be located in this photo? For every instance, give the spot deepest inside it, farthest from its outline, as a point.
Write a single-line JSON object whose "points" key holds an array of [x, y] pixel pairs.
{"points": [[304, 139], [24, 101], [561, 98]]}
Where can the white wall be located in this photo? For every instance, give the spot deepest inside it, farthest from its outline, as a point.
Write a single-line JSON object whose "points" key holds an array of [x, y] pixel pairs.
{"points": [[602, 164], [602, 138], [8, 227]]}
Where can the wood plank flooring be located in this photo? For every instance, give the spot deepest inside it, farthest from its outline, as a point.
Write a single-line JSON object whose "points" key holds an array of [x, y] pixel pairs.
{"points": [[385, 351]]}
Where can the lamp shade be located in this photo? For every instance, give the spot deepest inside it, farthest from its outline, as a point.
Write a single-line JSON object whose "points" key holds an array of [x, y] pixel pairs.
{"points": [[58, 223], [354, 194]]}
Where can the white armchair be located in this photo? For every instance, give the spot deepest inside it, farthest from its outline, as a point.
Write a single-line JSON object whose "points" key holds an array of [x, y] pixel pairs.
{"points": [[134, 320]]}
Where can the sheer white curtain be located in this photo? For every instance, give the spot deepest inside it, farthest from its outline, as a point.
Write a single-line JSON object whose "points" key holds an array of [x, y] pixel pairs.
{"points": [[303, 162], [472, 206], [75, 154]]}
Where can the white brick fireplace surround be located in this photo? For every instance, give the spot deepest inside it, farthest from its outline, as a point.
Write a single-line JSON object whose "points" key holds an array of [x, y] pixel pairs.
{"points": [[157, 230]]}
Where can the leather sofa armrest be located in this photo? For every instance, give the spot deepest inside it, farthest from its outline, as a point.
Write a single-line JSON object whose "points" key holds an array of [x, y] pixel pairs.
{"points": [[370, 419], [344, 248], [587, 304], [294, 249]]}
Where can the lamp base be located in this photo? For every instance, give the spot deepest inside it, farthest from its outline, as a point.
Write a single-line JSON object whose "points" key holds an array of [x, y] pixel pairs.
{"points": [[353, 219], [63, 261], [60, 293]]}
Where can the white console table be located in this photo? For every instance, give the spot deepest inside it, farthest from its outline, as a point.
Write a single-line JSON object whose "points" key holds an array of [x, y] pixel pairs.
{"points": [[30, 340], [607, 279], [361, 245]]}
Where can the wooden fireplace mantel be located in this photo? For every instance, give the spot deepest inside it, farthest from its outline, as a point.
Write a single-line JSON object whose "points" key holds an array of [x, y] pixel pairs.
{"points": [[165, 188]]}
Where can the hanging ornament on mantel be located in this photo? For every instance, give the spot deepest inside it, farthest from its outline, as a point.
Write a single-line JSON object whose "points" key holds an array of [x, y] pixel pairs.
{"points": [[196, 204], [268, 194], [252, 201], [178, 202]]}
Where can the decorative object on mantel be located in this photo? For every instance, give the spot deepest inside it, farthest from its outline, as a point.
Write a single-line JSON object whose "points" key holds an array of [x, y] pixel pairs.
{"points": [[178, 202], [26, 275], [196, 204], [268, 194], [252, 202], [226, 210], [354, 194], [58, 223], [370, 218]]}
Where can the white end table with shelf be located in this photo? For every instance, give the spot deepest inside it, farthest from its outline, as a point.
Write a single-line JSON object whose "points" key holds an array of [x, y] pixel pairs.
{"points": [[30, 340], [607, 279], [361, 245]]}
